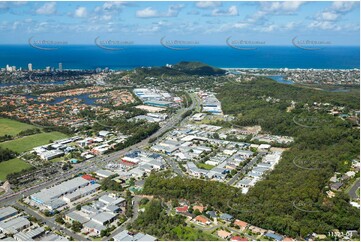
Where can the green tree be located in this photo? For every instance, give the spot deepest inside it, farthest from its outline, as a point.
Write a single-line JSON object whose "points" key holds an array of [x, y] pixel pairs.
{"points": [[76, 226]]}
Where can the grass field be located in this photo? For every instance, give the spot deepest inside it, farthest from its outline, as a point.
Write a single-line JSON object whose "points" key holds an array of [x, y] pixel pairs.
{"points": [[204, 166], [29, 142], [12, 127], [11, 166]]}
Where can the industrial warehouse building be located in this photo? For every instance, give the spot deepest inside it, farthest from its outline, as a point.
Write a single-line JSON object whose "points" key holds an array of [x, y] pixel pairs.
{"points": [[30, 235], [68, 191], [14, 225], [82, 192], [7, 212]]}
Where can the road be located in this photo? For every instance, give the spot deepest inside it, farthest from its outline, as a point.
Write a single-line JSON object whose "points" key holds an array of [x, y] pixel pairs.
{"points": [[171, 123], [352, 193], [49, 222], [136, 200], [10, 199], [91, 164], [174, 165], [244, 169]]}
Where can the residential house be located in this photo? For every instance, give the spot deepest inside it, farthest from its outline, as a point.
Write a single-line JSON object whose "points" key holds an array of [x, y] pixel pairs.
{"points": [[336, 186], [223, 234], [212, 214], [182, 209], [287, 239], [238, 238], [241, 224], [200, 208], [226, 217], [257, 230], [274, 236], [200, 219]]}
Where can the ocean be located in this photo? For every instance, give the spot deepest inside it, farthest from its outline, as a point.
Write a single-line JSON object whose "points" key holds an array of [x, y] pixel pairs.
{"points": [[91, 57]]}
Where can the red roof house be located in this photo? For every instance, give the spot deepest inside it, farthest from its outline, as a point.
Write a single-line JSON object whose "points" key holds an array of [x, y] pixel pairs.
{"points": [[182, 209]]}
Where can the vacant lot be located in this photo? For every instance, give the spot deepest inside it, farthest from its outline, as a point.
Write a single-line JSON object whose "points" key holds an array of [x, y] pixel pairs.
{"points": [[12, 127], [11, 166], [29, 142], [204, 166]]}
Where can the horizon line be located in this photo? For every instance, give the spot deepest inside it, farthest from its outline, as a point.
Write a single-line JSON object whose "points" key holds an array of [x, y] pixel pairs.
{"points": [[193, 46]]}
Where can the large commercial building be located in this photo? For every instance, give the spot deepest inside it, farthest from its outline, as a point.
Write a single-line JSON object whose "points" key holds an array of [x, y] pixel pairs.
{"points": [[96, 216], [68, 191], [51, 154], [82, 192], [158, 103], [212, 105], [154, 97], [14, 225], [30, 235], [7, 212]]}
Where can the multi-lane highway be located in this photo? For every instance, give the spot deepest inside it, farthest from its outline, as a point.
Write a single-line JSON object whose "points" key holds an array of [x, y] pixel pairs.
{"points": [[93, 164]]}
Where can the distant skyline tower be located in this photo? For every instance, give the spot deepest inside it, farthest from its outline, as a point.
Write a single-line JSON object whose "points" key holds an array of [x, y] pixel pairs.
{"points": [[30, 67], [47, 69], [60, 66]]}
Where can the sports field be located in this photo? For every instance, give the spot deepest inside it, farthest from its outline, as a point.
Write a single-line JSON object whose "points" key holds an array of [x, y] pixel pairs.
{"points": [[12, 127], [27, 143], [11, 166]]}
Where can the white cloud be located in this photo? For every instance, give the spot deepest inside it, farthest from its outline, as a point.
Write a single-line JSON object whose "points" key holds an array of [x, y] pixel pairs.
{"points": [[336, 11], [328, 18], [80, 12], [107, 11], [326, 25], [290, 25], [147, 13], [47, 9], [240, 25], [110, 6], [150, 12], [343, 6], [107, 17], [208, 4], [269, 28], [231, 11], [281, 7], [267, 9], [174, 10], [114, 7]]}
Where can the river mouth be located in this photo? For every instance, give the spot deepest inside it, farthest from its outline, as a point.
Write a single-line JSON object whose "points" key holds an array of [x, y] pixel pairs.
{"points": [[280, 79]]}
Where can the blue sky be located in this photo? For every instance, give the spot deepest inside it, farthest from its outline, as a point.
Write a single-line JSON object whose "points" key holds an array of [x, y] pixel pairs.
{"points": [[209, 23]]}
